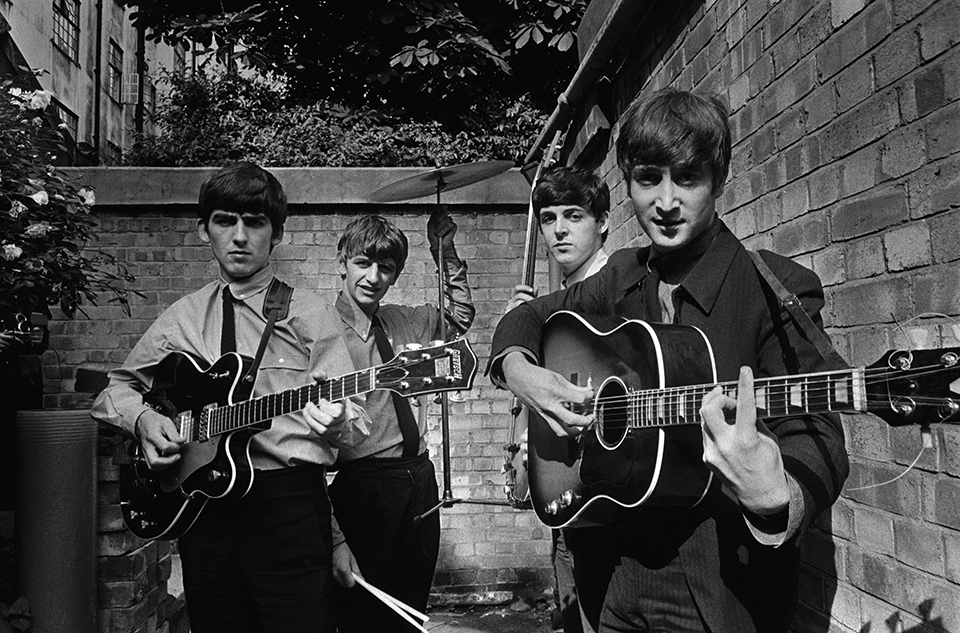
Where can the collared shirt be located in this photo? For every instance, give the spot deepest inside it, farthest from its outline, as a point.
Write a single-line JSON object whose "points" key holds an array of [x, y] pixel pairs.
{"points": [[308, 339], [587, 268], [403, 325]]}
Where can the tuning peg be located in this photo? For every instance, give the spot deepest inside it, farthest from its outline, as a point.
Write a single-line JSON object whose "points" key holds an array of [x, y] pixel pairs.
{"points": [[412, 346], [436, 343]]}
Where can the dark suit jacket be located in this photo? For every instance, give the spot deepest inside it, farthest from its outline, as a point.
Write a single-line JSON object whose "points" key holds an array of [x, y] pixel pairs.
{"points": [[738, 584]]}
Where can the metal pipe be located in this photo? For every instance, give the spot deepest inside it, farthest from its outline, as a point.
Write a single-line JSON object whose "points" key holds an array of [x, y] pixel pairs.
{"points": [[97, 70], [620, 18]]}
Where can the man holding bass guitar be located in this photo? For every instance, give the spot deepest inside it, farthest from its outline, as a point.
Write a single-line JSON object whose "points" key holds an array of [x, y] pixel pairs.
{"points": [[261, 562], [726, 557], [572, 208]]}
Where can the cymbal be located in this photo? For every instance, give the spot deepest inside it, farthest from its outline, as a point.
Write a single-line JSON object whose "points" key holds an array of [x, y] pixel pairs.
{"points": [[439, 180]]}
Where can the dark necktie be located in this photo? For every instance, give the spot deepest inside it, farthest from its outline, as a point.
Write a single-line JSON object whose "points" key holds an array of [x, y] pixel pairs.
{"points": [[228, 335], [651, 293], [409, 428]]}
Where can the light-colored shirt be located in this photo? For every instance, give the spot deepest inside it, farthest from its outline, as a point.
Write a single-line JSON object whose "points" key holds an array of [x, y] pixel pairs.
{"points": [[403, 325], [587, 268], [309, 339]]}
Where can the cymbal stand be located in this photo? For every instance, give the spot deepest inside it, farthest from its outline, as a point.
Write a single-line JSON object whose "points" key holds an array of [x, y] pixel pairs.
{"points": [[447, 500]]}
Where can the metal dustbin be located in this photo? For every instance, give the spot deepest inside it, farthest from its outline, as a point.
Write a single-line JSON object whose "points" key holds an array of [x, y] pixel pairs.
{"points": [[55, 537]]}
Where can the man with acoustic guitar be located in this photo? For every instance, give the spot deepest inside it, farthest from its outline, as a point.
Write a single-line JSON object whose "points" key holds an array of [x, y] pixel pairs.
{"points": [[572, 208], [722, 555], [261, 562]]}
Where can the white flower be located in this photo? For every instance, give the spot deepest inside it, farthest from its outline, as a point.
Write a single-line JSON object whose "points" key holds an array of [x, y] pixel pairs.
{"points": [[40, 197], [17, 208], [88, 196], [11, 252], [39, 100], [40, 229]]}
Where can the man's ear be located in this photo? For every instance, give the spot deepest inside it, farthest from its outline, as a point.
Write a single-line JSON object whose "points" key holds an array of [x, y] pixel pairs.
{"points": [[202, 232], [277, 237], [718, 191], [341, 266], [604, 222]]}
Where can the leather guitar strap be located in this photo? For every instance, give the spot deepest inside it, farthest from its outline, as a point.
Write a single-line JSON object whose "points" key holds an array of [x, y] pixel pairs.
{"points": [[790, 301], [276, 306]]}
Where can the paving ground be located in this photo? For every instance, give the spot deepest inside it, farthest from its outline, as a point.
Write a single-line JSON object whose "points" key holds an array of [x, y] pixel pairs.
{"points": [[489, 620]]}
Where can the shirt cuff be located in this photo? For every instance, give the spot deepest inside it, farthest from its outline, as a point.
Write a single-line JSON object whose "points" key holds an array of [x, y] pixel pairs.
{"points": [[773, 530], [496, 364]]}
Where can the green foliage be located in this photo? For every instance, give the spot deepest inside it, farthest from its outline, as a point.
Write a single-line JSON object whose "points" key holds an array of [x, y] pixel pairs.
{"points": [[45, 220], [216, 119], [15, 618], [430, 58]]}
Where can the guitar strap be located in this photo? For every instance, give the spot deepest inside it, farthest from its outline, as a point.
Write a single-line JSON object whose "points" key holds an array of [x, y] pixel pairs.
{"points": [[790, 301], [276, 306]]}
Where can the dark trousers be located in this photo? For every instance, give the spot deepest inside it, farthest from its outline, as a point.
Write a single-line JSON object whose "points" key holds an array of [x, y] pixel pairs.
{"points": [[378, 503], [641, 599], [262, 563]]}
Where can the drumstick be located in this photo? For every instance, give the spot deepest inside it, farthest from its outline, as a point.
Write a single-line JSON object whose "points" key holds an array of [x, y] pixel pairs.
{"points": [[385, 596], [400, 607]]}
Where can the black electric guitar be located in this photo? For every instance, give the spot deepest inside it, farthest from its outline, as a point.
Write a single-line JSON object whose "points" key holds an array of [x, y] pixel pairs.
{"points": [[645, 446], [215, 460]]}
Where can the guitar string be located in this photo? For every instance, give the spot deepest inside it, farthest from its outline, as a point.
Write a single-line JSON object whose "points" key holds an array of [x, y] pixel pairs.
{"points": [[675, 398]]}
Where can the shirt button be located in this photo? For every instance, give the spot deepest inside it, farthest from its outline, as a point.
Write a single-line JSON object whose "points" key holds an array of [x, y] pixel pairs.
{"points": [[281, 360]]}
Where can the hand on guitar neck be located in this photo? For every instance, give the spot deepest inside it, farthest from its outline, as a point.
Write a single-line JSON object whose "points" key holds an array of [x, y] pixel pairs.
{"points": [[741, 450], [548, 394]]}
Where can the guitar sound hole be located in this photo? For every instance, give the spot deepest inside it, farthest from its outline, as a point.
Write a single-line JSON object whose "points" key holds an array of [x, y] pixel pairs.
{"points": [[612, 417]]}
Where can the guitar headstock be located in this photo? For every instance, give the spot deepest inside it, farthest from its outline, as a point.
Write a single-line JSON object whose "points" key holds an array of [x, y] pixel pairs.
{"points": [[915, 387], [440, 367]]}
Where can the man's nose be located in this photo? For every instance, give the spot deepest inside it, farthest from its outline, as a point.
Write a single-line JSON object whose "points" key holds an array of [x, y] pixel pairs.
{"points": [[666, 195], [239, 233]]}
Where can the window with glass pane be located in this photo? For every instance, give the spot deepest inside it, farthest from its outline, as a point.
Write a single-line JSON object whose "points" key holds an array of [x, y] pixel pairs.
{"points": [[68, 118], [114, 71], [66, 27]]}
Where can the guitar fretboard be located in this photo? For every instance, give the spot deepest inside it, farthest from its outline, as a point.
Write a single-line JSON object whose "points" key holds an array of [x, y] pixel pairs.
{"points": [[842, 390], [220, 420]]}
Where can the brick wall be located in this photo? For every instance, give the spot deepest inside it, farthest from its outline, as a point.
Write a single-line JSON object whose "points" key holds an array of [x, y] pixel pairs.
{"points": [[489, 553], [846, 158]]}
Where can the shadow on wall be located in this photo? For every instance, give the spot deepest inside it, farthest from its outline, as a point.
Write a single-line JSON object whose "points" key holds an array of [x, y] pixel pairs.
{"points": [[894, 624]]}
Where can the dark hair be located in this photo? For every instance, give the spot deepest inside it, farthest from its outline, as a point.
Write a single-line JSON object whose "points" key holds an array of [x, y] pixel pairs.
{"points": [[244, 188], [677, 128], [374, 237], [571, 186]]}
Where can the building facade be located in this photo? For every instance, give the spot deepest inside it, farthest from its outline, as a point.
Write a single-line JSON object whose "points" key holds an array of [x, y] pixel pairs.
{"points": [[103, 72]]}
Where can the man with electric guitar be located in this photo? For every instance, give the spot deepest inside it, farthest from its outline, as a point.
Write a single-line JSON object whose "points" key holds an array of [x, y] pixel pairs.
{"points": [[572, 208], [257, 557], [705, 517]]}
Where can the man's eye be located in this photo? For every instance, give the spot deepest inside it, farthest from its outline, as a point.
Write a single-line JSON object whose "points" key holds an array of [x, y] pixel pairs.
{"points": [[648, 177]]}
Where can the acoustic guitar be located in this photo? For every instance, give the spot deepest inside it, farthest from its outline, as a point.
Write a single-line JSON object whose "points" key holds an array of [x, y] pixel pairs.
{"points": [[215, 460], [645, 445]]}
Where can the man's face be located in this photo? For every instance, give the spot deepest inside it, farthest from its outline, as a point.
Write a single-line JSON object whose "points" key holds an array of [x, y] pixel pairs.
{"points": [[241, 243], [366, 280], [673, 206], [571, 235]]}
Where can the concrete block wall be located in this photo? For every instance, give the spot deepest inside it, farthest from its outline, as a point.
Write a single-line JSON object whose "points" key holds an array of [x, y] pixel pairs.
{"points": [[489, 553], [846, 158]]}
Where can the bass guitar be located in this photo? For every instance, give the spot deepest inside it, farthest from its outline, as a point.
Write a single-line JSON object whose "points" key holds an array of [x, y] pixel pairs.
{"points": [[215, 460], [645, 445]]}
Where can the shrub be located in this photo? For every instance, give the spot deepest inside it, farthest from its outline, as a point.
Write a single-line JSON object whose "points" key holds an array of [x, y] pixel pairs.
{"points": [[214, 120]]}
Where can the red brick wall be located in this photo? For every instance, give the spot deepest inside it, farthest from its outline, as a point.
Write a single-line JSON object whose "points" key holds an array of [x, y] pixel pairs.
{"points": [[846, 158]]}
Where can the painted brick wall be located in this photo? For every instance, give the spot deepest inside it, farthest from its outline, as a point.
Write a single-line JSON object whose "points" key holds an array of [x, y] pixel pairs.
{"points": [[846, 158]]}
